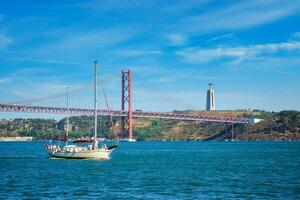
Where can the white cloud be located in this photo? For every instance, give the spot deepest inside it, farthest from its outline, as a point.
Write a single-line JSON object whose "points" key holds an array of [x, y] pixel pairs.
{"points": [[209, 54], [176, 39], [55, 61], [70, 44], [163, 80], [296, 35], [221, 37], [5, 80], [163, 7], [4, 41], [136, 53], [240, 15], [241, 52], [22, 83]]}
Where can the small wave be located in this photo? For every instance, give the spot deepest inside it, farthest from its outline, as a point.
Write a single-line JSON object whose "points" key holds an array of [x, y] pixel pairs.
{"points": [[14, 157]]}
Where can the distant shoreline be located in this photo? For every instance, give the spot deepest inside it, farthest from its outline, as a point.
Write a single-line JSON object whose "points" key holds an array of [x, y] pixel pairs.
{"points": [[16, 139], [31, 139], [276, 126]]}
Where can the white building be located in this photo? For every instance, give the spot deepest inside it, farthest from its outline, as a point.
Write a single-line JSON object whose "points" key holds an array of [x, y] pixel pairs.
{"points": [[210, 99]]}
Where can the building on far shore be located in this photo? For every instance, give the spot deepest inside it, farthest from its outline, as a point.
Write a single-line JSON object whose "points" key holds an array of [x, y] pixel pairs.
{"points": [[210, 98], [16, 139]]}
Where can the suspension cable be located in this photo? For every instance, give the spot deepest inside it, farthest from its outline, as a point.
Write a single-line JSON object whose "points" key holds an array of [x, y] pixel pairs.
{"points": [[44, 98], [108, 110], [167, 96]]}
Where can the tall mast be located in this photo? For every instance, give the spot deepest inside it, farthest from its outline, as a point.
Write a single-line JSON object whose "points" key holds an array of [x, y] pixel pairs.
{"points": [[95, 100], [67, 133]]}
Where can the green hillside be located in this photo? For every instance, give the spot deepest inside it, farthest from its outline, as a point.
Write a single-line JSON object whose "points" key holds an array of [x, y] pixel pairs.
{"points": [[284, 125]]}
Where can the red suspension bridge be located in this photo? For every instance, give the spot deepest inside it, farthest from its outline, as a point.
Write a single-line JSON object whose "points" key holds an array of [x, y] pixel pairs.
{"points": [[126, 113]]}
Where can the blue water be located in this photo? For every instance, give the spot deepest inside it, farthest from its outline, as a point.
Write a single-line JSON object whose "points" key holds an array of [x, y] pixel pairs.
{"points": [[155, 170]]}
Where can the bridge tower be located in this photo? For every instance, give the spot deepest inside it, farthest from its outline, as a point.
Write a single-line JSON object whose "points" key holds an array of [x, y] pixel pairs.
{"points": [[126, 121]]}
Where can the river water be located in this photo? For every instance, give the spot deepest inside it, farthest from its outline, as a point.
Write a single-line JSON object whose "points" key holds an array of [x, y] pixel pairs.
{"points": [[155, 170]]}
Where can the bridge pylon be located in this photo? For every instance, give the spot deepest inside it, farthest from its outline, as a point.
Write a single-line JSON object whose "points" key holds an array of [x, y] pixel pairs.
{"points": [[126, 104]]}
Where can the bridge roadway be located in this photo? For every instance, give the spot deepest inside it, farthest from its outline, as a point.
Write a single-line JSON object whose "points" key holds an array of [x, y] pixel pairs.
{"points": [[136, 114]]}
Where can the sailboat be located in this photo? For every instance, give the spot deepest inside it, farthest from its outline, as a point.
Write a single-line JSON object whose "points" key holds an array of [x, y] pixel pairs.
{"points": [[73, 151]]}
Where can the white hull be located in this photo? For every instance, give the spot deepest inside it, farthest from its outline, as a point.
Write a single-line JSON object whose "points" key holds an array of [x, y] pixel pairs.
{"points": [[128, 140], [85, 154], [74, 152]]}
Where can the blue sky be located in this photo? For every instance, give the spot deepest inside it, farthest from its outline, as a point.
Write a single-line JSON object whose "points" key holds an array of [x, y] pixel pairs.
{"points": [[250, 50]]}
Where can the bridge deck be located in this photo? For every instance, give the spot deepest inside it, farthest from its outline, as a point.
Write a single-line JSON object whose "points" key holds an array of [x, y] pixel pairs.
{"points": [[137, 114]]}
